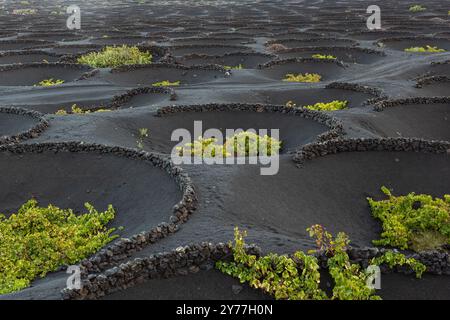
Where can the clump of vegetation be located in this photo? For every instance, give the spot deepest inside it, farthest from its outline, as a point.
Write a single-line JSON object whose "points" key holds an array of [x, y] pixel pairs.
{"points": [[415, 221], [328, 106], [251, 144], [322, 106], [112, 57], [166, 83], [142, 134], [324, 56], [37, 240], [202, 148], [307, 77], [392, 259], [49, 82], [238, 67], [277, 275], [350, 281], [24, 12], [78, 110], [244, 143], [427, 49], [417, 8], [297, 277]]}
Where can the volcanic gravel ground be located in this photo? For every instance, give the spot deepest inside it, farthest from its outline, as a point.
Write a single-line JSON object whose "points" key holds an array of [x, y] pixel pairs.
{"points": [[68, 180], [217, 286], [11, 124], [276, 210]]}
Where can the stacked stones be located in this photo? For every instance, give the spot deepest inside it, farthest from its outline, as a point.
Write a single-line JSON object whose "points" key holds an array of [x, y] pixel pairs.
{"points": [[406, 101], [315, 150], [132, 67], [119, 100], [335, 125], [194, 258], [124, 247], [179, 262], [299, 60]]}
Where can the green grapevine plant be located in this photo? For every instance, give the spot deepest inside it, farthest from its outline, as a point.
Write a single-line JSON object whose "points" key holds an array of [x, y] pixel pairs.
{"points": [[112, 57], [49, 83], [166, 83], [307, 77], [328, 106], [417, 8], [323, 56], [37, 240], [414, 221], [244, 143], [297, 277], [426, 49]]}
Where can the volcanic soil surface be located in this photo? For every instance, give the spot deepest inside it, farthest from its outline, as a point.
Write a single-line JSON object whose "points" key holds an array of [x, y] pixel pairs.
{"points": [[231, 59]]}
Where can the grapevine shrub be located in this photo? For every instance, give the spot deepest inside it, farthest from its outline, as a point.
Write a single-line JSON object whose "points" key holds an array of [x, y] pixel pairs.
{"points": [[112, 57], [166, 83], [37, 240], [322, 106], [75, 109], [409, 220], [307, 77], [328, 106], [323, 56], [24, 12], [49, 83], [277, 275], [244, 143], [417, 8], [297, 277], [426, 49], [393, 259]]}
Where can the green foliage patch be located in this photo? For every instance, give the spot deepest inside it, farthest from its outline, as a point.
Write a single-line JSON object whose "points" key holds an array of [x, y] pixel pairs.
{"points": [[37, 240], [393, 259], [328, 106], [307, 77], [49, 82], [324, 56], [417, 8], [24, 12], [166, 83], [426, 49], [243, 143], [75, 109], [112, 57], [415, 221], [297, 277], [275, 274], [322, 106]]}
